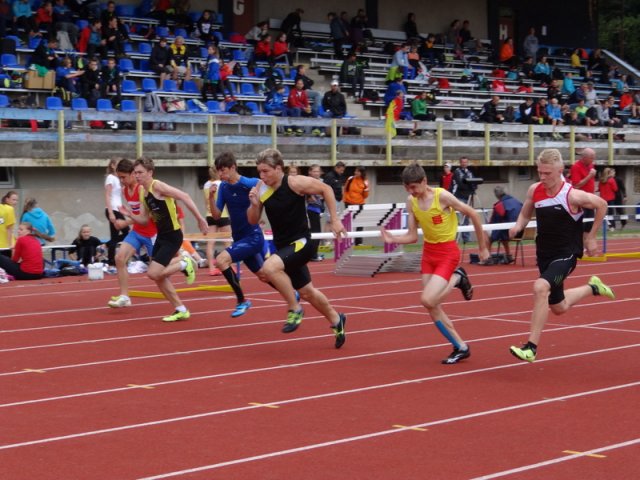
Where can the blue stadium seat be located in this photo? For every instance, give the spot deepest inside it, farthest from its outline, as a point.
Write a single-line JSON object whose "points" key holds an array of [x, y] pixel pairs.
{"points": [[54, 103], [34, 42], [162, 31], [149, 85], [190, 86], [129, 86], [104, 105], [247, 89], [4, 101], [214, 107], [8, 60], [203, 52], [238, 55], [194, 16], [79, 104], [125, 65], [255, 109], [126, 10], [181, 32], [259, 71], [218, 36], [128, 48], [144, 48], [15, 39], [170, 86], [82, 23], [128, 106], [144, 65]]}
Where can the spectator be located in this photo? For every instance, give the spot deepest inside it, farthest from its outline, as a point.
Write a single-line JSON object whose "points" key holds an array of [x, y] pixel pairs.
{"points": [[7, 221], [446, 179], [111, 81], [159, 11], [275, 103], [507, 55], [67, 76], [45, 54], [540, 113], [334, 103], [626, 100], [211, 78], [113, 202], [160, 59], [400, 64], [554, 114], [530, 44], [360, 29], [463, 189], [262, 52], [582, 177], [90, 83], [179, 59], [621, 197], [314, 96], [352, 72], [315, 209], [411, 28], [489, 112], [581, 110], [180, 14], [526, 111], [91, 41], [298, 105], [577, 95], [466, 39], [635, 106], [27, 262], [225, 86], [280, 51], [335, 179], [339, 32], [590, 95], [42, 227], [542, 71], [393, 88], [44, 20], [430, 53], [453, 33], [576, 60], [113, 37], [255, 33], [64, 21], [23, 18], [356, 192], [568, 87], [291, 26], [505, 210], [420, 112], [86, 246], [608, 187]]}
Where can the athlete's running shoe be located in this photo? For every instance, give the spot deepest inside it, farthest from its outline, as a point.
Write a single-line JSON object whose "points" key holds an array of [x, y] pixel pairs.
{"points": [[339, 330], [177, 316], [119, 302], [293, 321], [190, 270], [524, 353], [241, 308], [596, 284], [464, 284], [456, 356]]}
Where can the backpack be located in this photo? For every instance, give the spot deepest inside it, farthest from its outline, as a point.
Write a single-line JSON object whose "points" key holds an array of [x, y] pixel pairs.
{"points": [[240, 109], [63, 94], [152, 103], [272, 78]]}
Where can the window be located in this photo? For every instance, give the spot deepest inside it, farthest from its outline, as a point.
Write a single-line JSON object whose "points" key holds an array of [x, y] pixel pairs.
{"points": [[6, 177]]}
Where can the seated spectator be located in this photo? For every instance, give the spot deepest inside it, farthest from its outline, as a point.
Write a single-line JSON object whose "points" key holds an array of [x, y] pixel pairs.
{"points": [[42, 227], [225, 86], [489, 112], [91, 41], [275, 103], [540, 114], [554, 114], [430, 53], [603, 114], [581, 110], [576, 96], [542, 71], [262, 52], [414, 58], [298, 104], [280, 51], [590, 95], [45, 54], [526, 111], [314, 96], [553, 91], [90, 87], [466, 39], [86, 246], [44, 19], [23, 18], [568, 87], [592, 116], [254, 35], [114, 39], [204, 28], [626, 100], [160, 59], [635, 106], [570, 117], [420, 111], [179, 59], [400, 64], [67, 76], [507, 54], [576, 60], [26, 262], [333, 102], [64, 21], [505, 210], [352, 72], [111, 81], [393, 88]]}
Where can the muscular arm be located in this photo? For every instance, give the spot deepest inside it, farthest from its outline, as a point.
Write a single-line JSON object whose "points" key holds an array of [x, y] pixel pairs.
{"points": [[254, 212], [168, 191]]}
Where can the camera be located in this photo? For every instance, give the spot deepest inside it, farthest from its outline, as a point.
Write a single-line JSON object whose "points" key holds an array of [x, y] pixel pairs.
{"points": [[474, 180]]}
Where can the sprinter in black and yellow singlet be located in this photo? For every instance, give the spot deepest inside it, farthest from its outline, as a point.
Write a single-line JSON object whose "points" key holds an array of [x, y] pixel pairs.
{"points": [[158, 201], [283, 199], [434, 209]]}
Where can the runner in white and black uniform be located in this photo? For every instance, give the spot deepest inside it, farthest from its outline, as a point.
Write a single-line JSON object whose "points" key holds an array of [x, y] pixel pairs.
{"points": [[559, 243], [283, 198]]}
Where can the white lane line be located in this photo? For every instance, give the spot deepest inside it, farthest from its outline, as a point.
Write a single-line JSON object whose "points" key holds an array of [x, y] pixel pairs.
{"points": [[340, 441], [553, 461], [340, 393]]}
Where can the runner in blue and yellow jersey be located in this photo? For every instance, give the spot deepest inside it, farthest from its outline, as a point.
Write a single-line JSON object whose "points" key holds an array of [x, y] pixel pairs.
{"points": [[158, 201], [434, 209]]}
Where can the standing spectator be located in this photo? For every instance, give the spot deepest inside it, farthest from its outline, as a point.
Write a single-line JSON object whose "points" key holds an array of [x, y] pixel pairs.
{"points": [[204, 28], [335, 179], [582, 177], [352, 72], [315, 97], [411, 28], [446, 178], [315, 209], [113, 201], [64, 21], [393, 88], [621, 198], [291, 26], [7, 221], [27, 262], [608, 189], [160, 59], [339, 33], [42, 226], [179, 59], [506, 209], [356, 191], [85, 246], [360, 28], [530, 44], [44, 20], [463, 189], [211, 77], [111, 81]]}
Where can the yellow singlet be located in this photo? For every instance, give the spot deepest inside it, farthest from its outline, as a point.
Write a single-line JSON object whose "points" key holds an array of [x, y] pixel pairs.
{"points": [[438, 226]]}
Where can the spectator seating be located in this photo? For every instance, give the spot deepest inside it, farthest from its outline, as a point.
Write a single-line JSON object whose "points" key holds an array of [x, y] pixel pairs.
{"points": [[128, 106], [104, 105], [54, 103], [4, 101], [79, 104]]}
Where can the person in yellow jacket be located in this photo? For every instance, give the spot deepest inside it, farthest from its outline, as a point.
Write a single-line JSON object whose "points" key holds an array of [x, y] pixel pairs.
{"points": [[434, 209], [356, 191]]}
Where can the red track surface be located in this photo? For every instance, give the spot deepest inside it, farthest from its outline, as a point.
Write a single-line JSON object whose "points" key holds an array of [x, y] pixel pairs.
{"points": [[92, 393]]}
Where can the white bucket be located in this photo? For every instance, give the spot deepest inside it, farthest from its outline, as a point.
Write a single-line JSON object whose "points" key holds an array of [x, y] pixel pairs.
{"points": [[95, 271]]}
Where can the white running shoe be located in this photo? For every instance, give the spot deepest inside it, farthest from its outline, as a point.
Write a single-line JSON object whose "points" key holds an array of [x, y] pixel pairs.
{"points": [[119, 302]]}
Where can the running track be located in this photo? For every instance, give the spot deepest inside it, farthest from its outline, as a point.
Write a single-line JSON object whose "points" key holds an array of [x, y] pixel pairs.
{"points": [[92, 393]]}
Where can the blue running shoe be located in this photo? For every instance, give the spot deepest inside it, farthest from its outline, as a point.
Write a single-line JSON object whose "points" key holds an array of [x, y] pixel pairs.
{"points": [[241, 308]]}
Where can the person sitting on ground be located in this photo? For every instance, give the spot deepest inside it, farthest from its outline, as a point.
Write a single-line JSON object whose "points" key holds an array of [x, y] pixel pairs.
{"points": [[506, 209], [41, 225], [27, 262], [85, 246]]}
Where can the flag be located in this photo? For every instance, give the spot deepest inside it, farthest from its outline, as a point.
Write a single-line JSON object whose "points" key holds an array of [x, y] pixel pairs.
{"points": [[390, 124]]}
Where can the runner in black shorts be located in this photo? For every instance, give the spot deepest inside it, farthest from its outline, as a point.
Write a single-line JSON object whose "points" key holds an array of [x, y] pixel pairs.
{"points": [[559, 243], [283, 199]]}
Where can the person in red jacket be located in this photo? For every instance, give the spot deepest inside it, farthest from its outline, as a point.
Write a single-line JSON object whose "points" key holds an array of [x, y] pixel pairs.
{"points": [[27, 262], [280, 51], [262, 52], [44, 19], [298, 104], [608, 188]]}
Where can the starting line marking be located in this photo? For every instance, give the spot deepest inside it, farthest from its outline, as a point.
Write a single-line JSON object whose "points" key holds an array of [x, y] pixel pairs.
{"points": [[146, 387], [415, 429], [266, 405], [592, 455], [32, 370]]}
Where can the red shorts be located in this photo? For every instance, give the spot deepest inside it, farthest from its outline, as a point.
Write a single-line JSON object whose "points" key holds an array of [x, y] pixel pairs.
{"points": [[440, 259]]}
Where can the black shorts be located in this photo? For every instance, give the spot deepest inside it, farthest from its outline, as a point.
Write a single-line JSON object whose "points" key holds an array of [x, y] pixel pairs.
{"points": [[588, 213], [220, 222], [166, 246], [295, 257], [555, 271]]}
